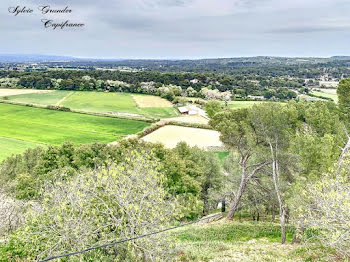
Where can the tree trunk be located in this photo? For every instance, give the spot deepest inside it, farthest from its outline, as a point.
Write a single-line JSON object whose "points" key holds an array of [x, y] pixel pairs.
{"points": [[299, 231], [205, 201], [223, 206], [205, 206], [283, 225], [244, 180], [238, 196], [275, 175]]}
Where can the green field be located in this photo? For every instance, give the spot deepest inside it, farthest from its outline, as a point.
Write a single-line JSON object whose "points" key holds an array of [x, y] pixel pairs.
{"points": [[37, 125], [113, 102], [50, 98], [242, 104], [322, 94], [95, 102], [11, 146]]}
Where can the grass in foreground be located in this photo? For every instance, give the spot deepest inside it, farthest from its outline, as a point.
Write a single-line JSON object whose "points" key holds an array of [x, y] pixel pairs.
{"points": [[10, 147], [55, 127], [240, 241]]}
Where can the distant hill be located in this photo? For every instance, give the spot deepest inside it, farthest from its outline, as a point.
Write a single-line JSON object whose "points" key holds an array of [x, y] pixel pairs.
{"points": [[21, 58]]}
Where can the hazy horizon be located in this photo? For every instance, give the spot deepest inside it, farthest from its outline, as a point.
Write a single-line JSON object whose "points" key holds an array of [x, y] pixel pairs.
{"points": [[165, 58]]}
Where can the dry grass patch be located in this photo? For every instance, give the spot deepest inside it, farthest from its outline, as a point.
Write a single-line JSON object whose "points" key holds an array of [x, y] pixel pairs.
{"points": [[13, 92], [189, 119], [170, 136], [150, 101]]}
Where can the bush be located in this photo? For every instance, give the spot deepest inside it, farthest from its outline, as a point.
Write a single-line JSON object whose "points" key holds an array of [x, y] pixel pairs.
{"points": [[122, 201], [59, 108], [325, 212], [11, 214]]}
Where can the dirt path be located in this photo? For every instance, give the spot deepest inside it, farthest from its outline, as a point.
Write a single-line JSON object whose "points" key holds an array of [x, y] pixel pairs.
{"points": [[64, 98]]}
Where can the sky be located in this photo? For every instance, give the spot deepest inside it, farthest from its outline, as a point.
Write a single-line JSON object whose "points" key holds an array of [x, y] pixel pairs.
{"points": [[180, 29]]}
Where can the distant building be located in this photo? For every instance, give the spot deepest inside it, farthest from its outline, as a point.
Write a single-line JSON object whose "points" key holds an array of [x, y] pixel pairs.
{"points": [[256, 97], [183, 110], [192, 110]]}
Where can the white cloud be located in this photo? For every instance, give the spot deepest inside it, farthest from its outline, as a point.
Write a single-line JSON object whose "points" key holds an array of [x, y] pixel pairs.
{"points": [[183, 28]]}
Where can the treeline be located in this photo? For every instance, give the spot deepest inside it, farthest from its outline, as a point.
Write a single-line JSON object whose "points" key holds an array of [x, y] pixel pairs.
{"points": [[100, 80], [335, 67]]}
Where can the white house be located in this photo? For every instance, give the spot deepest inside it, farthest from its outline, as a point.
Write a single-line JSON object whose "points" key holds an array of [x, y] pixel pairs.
{"points": [[192, 110]]}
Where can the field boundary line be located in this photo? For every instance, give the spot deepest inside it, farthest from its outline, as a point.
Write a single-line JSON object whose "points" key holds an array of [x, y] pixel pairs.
{"points": [[64, 98], [23, 140], [143, 119]]}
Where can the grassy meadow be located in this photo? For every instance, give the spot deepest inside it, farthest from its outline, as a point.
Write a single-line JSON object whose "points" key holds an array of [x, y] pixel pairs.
{"points": [[50, 98], [242, 104], [328, 95], [240, 241], [36, 125], [9, 146]]}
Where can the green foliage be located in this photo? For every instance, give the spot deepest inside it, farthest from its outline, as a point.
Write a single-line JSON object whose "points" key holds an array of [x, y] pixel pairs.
{"points": [[343, 92], [319, 137], [233, 126], [323, 207], [92, 208], [59, 108], [233, 232], [206, 170], [187, 170], [233, 241], [222, 156], [212, 107]]}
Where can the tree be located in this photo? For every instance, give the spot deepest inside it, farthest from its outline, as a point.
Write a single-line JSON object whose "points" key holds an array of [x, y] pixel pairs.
{"points": [[275, 125], [318, 137], [120, 201], [323, 206], [212, 107], [238, 133], [12, 213], [343, 92], [205, 168]]}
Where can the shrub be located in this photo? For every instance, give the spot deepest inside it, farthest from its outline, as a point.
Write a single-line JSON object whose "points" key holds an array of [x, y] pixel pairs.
{"points": [[97, 207], [59, 108]]}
